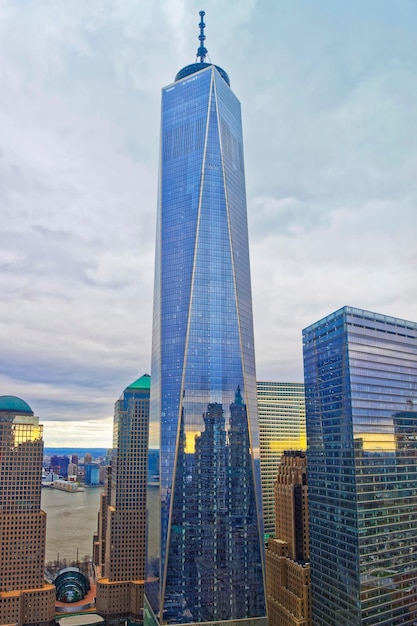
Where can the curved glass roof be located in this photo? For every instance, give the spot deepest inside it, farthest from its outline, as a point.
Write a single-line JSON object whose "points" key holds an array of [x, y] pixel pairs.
{"points": [[71, 584], [196, 67]]}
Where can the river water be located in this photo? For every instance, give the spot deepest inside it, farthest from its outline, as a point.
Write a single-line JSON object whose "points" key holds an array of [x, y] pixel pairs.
{"points": [[72, 521]]}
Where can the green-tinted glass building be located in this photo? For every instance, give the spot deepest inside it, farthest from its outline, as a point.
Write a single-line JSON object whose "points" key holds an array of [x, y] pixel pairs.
{"points": [[203, 394], [361, 407]]}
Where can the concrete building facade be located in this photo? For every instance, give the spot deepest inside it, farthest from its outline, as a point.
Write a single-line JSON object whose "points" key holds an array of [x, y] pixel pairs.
{"points": [[287, 555], [120, 542]]}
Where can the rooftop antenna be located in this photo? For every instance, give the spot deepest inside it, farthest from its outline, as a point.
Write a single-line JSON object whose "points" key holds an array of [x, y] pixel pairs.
{"points": [[202, 51]]}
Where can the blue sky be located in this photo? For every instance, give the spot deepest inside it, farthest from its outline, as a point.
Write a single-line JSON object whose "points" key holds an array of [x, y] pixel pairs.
{"points": [[329, 101]]}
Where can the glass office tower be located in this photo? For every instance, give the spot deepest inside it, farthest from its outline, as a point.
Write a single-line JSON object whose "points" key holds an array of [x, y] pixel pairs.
{"points": [[361, 404], [282, 426], [203, 393]]}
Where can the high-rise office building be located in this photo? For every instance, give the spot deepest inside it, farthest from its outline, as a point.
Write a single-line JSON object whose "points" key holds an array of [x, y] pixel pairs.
{"points": [[203, 395], [59, 465], [287, 555], [88, 458], [120, 545], [282, 426], [360, 373], [92, 474], [72, 471], [24, 596]]}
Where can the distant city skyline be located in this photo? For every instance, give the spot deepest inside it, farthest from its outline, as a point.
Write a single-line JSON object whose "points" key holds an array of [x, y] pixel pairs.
{"points": [[330, 145]]}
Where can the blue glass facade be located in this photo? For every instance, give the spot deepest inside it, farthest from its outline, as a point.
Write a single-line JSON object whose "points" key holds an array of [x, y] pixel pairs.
{"points": [[92, 474], [203, 394], [360, 373]]}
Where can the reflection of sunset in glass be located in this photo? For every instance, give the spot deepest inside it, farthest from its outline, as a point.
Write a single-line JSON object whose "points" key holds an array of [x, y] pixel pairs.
{"points": [[297, 443], [28, 430], [190, 440], [153, 435], [374, 442], [282, 426]]}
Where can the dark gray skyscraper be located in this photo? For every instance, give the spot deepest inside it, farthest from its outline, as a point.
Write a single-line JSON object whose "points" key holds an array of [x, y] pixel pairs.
{"points": [[203, 395], [361, 393]]}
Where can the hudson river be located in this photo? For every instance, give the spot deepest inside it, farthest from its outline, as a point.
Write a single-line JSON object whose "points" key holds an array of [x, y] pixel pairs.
{"points": [[72, 521]]}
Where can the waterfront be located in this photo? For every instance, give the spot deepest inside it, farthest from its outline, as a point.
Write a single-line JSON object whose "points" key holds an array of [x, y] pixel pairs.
{"points": [[71, 522]]}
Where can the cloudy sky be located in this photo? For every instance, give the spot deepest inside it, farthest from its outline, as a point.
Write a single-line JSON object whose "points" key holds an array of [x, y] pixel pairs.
{"points": [[329, 99]]}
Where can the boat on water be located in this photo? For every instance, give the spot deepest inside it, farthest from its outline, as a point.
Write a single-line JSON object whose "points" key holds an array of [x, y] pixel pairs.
{"points": [[63, 485]]}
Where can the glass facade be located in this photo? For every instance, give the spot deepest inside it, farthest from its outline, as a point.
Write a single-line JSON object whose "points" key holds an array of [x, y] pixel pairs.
{"points": [[282, 426], [361, 405], [203, 393]]}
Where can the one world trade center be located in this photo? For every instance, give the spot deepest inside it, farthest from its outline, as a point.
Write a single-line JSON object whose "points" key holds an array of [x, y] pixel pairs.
{"points": [[203, 390]]}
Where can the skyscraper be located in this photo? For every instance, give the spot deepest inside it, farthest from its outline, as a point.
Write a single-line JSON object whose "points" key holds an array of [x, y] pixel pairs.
{"points": [[360, 373], [59, 465], [119, 551], [282, 426], [203, 395], [92, 474], [24, 596], [287, 555]]}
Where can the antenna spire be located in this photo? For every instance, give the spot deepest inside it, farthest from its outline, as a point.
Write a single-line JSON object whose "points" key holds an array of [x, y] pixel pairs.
{"points": [[202, 51]]}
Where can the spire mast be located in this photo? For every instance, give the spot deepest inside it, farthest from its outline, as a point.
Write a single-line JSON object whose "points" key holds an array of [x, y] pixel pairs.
{"points": [[202, 51], [202, 59]]}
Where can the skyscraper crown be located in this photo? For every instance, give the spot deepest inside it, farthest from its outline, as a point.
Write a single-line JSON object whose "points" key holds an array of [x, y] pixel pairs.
{"points": [[201, 54]]}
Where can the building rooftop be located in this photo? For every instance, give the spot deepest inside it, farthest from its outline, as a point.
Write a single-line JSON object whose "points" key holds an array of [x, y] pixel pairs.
{"points": [[13, 404], [81, 620], [144, 382]]}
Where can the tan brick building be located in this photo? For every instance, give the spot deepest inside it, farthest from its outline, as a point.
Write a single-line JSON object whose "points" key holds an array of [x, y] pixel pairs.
{"points": [[120, 542], [25, 599], [287, 556]]}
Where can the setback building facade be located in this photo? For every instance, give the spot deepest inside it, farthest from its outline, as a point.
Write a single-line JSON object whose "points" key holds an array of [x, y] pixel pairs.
{"points": [[203, 395], [120, 543], [24, 596], [287, 555], [282, 426], [361, 396]]}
